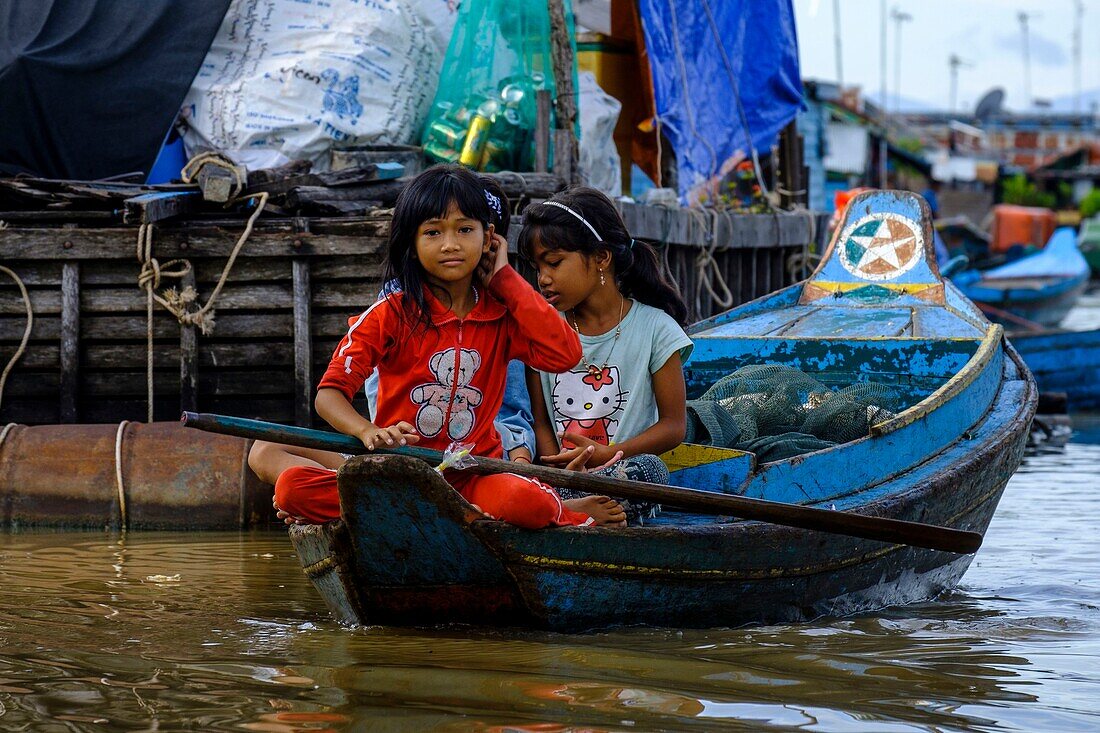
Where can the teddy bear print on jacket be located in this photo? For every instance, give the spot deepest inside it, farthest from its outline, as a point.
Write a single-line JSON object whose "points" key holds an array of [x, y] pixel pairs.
{"points": [[455, 371]]}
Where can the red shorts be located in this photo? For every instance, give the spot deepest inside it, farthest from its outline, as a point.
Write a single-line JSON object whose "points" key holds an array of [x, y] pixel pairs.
{"points": [[310, 492]]}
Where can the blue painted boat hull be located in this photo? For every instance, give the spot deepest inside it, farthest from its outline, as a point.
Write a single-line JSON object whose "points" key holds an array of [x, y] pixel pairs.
{"points": [[410, 550], [1064, 361]]}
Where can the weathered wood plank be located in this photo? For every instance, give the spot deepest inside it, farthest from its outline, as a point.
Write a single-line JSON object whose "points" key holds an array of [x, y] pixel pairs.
{"points": [[231, 327], [29, 411], [33, 274], [149, 208], [70, 342], [166, 382], [353, 296], [232, 354], [96, 244], [303, 353], [689, 227], [207, 270]]}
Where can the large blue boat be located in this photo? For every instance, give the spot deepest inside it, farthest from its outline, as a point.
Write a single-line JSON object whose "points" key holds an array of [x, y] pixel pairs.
{"points": [[409, 550]]}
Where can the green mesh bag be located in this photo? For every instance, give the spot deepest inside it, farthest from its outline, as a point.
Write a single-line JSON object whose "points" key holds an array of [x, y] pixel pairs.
{"points": [[778, 412], [484, 111]]}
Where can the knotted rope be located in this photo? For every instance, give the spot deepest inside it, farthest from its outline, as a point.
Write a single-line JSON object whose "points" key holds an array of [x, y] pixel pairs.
{"points": [[26, 331], [709, 275], [179, 303]]}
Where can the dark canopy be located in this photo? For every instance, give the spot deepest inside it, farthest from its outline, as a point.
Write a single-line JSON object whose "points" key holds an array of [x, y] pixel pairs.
{"points": [[89, 88]]}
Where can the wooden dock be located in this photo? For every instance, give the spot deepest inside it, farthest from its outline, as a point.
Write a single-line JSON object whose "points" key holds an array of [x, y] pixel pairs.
{"points": [[283, 308]]}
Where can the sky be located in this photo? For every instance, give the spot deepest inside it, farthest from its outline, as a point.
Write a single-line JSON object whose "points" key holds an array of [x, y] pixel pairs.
{"points": [[984, 33]]}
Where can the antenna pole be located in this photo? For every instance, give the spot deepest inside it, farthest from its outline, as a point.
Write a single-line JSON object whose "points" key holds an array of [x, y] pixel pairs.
{"points": [[882, 57], [899, 18], [836, 40], [1023, 18], [1079, 11]]}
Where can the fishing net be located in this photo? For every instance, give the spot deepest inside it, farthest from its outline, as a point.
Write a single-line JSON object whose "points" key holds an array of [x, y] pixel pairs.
{"points": [[777, 412]]}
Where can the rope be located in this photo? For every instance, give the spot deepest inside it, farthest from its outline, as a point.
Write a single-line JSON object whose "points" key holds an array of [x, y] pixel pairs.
{"points": [[197, 163], [708, 273], [4, 433], [118, 473], [26, 331], [660, 164], [801, 264], [175, 302]]}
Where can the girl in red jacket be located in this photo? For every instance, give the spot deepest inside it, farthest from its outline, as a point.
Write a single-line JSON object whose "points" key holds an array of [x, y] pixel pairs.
{"points": [[442, 347]]}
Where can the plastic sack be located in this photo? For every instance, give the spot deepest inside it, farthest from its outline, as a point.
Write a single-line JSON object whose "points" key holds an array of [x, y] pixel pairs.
{"points": [[287, 79], [599, 162], [484, 111]]}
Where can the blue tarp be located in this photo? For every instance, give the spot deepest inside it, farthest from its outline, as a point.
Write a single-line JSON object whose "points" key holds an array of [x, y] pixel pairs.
{"points": [[1060, 258], [704, 55]]}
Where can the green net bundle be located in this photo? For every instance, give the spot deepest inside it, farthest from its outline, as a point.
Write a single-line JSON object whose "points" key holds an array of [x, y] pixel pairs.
{"points": [[777, 412]]}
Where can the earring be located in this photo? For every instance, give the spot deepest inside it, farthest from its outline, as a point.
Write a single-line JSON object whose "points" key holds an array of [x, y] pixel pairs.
{"points": [[602, 280]]}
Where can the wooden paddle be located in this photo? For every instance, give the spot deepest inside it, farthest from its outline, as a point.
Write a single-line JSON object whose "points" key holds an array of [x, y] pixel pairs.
{"points": [[883, 529]]}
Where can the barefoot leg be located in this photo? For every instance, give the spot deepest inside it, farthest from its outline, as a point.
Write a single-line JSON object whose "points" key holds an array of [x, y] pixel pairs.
{"points": [[606, 511], [268, 460]]}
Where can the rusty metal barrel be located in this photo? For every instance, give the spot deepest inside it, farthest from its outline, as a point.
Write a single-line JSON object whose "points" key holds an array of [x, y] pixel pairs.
{"points": [[128, 475]]}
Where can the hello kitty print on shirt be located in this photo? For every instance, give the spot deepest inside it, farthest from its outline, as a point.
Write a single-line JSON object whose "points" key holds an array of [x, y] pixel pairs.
{"points": [[586, 401]]}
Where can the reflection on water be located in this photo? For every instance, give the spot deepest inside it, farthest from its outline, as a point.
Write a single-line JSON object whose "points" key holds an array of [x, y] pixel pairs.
{"points": [[223, 632]]}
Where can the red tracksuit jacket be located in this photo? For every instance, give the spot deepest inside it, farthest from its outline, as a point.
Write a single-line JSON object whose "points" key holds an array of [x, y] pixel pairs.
{"points": [[448, 381]]}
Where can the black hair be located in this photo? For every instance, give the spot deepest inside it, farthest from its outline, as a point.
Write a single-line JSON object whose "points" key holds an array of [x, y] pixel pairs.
{"points": [[501, 220], [428, 196], [640, 272]]}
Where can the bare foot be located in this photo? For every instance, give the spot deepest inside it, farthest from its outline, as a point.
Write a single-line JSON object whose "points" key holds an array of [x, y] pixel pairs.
{"points": [[606, 511]]}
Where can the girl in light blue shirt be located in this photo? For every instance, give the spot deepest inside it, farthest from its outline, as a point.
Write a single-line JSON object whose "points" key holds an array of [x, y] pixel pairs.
{"points": [[624, 404]]}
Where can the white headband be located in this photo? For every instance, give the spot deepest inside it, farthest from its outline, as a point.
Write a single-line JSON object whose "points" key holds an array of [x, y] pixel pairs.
{"points": [[579, 218]]}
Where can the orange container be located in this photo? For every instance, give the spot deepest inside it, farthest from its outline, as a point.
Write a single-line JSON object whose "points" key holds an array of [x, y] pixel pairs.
{"points": [[1023, 225]]}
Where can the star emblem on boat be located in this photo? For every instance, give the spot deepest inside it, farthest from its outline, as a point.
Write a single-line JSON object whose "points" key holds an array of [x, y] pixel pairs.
{"points": [[881, 246]]}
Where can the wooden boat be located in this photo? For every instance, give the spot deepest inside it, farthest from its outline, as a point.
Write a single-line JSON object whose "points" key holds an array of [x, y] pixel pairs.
{"points": [[1064, 361], [409, 550], [1040, 287]]}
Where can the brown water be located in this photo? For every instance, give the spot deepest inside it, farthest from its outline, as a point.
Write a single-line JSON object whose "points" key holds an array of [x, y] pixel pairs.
{"points": [[222, 632], [205, 632]]}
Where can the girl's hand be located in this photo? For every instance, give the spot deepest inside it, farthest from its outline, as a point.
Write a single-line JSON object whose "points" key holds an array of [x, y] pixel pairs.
{"points": [[395, 435], [587, 455], [287, 517], [495, 260]]}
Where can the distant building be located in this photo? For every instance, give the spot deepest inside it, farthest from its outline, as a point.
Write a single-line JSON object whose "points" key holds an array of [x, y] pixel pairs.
{"points": [[1015, 140], [846, 144], [1079, 168]]}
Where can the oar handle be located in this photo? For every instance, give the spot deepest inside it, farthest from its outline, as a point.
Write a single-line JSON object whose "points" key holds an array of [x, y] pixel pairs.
{"points": [[883, 529]]}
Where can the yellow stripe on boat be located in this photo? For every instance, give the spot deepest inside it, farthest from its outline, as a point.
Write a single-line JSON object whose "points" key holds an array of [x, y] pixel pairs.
{"points": [[690, 455]]}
